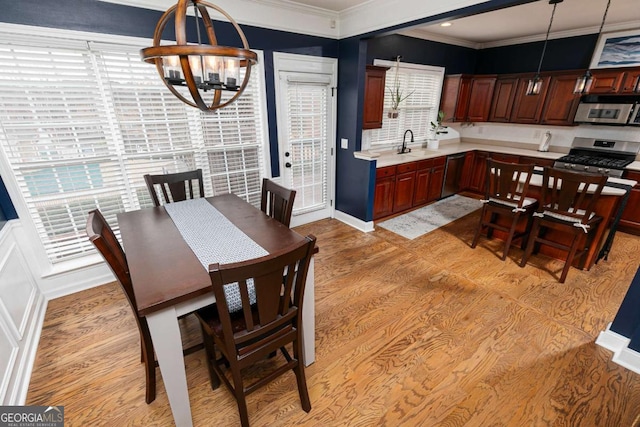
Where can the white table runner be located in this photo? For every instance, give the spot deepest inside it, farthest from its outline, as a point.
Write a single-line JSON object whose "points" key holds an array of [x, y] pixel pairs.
{"points": [[213, 238]]}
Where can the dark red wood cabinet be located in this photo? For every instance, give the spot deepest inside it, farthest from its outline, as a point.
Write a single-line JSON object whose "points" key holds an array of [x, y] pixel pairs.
{"points": [[384, 190], [503, 95], [373, 107], [561, 103]]}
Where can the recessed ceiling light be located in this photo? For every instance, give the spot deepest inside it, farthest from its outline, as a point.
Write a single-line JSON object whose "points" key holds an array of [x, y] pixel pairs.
{"points": [[446, 24]]}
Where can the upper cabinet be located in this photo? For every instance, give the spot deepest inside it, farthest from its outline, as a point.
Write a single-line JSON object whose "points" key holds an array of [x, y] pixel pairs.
{"points": [[503, 96], [615, 81], [561, 103], [467, 98], [528, 108], [631, 83], [373, 97]]}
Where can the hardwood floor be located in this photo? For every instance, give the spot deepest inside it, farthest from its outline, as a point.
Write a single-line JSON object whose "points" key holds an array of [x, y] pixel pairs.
{"points": [[426, 332]]}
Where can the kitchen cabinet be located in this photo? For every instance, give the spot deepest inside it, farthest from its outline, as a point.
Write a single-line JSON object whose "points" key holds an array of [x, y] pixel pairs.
{"points": [[384, 190], [436, 179], [407, 185], [528, 108], [503, 95], [477, 179], [404, 187], [374, 87], [467, 98], [606, 81], [630, 220], [561, 103], [507, 158], [631, 82], [536, 161]]}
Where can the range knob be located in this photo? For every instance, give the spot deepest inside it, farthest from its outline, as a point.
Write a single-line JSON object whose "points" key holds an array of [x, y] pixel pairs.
{"points": [[606, 171], [600, 170], [586, 168]]}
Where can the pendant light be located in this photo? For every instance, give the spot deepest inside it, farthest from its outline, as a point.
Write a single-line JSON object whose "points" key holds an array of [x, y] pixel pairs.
{"points": [[200, 70], [535, 84], [583, 83]]}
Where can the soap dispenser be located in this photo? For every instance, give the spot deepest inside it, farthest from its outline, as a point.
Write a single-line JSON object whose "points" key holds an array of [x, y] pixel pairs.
{"points": [[544, 143]]}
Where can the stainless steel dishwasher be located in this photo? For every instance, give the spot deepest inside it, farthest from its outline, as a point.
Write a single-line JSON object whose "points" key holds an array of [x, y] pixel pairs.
{"points": [[452, 174]]}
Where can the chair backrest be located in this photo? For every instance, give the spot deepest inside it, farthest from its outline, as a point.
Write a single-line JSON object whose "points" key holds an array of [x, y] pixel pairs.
{"points": [[507, 182], [103, 238], [174, 187], [570, 195], [279, 282], [277, 201]]}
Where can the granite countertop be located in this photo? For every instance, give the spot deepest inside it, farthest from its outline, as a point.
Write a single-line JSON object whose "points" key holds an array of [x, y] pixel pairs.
{"points": [[390, 157]]}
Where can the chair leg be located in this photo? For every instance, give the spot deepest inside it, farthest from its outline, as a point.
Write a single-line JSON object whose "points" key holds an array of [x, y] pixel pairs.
{"points": [[569, 261], [300, 377], [238, 389], [210, 355], [532, 241], [479, 229], [512, 230]]}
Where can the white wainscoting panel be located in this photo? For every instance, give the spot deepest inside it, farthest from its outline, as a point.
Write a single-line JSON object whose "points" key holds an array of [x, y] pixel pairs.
{"points": [[22, 308]]}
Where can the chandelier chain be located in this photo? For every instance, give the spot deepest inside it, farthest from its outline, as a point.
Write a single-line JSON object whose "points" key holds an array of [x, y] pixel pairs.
{"points": [[544, 47]]}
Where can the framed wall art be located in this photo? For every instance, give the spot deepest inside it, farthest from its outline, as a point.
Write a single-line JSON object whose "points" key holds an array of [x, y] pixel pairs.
{"points": [[619, 49]]}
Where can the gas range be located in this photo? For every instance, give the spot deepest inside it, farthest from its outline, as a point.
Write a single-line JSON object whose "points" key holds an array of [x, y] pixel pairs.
{"points": [[607, 157]]}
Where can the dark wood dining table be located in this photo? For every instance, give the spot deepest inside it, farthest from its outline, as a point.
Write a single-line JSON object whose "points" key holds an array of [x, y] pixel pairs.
{"points": [[169, 281]]}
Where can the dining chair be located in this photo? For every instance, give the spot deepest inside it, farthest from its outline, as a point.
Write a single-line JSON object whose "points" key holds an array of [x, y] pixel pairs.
{"points": [[174, 187], [505, 202], [104, 239], [277, 201], [258, 329], [567, 205]]}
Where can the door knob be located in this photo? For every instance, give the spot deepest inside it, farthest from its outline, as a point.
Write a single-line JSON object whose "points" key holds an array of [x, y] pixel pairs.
{"points": [[287, 165], [287, 154]]}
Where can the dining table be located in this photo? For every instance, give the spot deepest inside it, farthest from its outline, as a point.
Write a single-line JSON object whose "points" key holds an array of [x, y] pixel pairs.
{"points": [[169, 280]]}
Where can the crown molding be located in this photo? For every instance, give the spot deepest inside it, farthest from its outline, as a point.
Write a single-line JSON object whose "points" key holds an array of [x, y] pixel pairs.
{"points": [[269, 14]]}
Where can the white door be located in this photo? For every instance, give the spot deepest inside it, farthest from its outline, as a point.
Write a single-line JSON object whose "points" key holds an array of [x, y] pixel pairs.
{"points": [[305, 106]]}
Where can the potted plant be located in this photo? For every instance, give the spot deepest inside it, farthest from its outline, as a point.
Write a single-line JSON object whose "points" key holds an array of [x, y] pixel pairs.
{"points": [[436, 129], [396, 93]]}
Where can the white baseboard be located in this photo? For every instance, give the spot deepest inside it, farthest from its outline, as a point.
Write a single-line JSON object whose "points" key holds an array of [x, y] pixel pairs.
{"points": [[628, 358], [619, 345], [70, 282], [364, 226], [611, 340]]}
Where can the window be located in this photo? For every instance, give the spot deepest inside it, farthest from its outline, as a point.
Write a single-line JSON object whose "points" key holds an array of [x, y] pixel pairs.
{"points": [[424, 83], [82, 122]]}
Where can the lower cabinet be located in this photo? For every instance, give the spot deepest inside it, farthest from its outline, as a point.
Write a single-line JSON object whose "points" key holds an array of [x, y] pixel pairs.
{"points": [[407, 185], [630, 220], [383, 196]]}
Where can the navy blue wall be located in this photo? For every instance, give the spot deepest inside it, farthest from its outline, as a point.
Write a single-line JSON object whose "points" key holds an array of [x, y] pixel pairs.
{"points": [[455, 59], [7, 211], [571, 53]]}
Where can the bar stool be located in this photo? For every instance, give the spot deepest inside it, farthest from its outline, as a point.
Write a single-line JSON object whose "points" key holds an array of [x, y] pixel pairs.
{"points": [[568, 203], [507, 184]]}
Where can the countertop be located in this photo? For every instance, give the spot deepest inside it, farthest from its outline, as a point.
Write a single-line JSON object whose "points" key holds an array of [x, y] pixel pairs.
{"points": [[390, 157]]}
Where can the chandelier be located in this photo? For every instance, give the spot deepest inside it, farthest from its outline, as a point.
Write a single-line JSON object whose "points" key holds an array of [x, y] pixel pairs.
{"points": [[535, 84], [207, 71]]}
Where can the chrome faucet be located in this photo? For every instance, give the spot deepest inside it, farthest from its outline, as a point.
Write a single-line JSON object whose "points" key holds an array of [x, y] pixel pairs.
{"points": [[404, 148]]}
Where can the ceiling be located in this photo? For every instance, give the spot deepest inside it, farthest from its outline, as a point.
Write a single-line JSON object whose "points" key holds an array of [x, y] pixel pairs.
{"points": [[518, 24]]}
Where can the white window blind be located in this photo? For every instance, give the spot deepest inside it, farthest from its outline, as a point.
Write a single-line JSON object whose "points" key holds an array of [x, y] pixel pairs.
{"points": [[81, 123], [307, 115], [424, 84]]}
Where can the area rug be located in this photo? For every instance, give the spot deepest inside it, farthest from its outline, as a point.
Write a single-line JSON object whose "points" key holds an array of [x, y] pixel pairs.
{"points": [[421, 221]]}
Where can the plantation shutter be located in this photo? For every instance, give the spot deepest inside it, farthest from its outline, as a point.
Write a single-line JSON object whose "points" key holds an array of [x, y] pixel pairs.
{"points": [[81, 123]]}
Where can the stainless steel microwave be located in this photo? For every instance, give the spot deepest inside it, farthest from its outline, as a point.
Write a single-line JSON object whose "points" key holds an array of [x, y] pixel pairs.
{"points": [[608, 113]]}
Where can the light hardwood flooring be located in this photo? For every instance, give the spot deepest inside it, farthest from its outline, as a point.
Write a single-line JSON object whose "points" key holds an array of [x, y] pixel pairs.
{"points": [[427, 332]]}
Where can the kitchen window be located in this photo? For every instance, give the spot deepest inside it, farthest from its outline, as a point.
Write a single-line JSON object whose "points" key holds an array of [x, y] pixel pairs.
{"points": [[81, 123], [424, 83]]}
